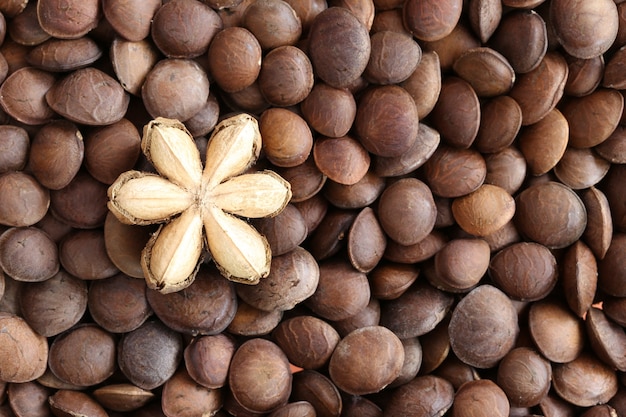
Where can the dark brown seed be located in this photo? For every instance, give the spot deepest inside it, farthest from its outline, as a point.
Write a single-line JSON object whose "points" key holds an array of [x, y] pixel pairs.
{"points": [[431, 20], [488, 72], [20, 190], [330, 111], [407, 211], [557, 332], [524, 376], [68, 402], [476, 396], [366, 360], [207, 306], [483, 327], [58, 55], [190, 41], [550, 214], [130, 19], [343, 160], [23, 95], [597, 387], [28, 254], [72, 21], [447, 164], [207, 359], [393, 58], [273, 22], [579, 274], [259, 376], [24, 353], [525, 271], [607, 338], [343, 64], [387, 121], [286, 76], [366, 241], [149, 355]]}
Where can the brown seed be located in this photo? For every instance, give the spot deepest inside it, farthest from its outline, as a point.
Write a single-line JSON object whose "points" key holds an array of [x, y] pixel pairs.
{"points": [[581, 168], [343, 160], [201, 25], [450, 47], [425, 145], [130, 19], [29, 399], [556, 331], [286, 76], [580, 277], [207, 306], [368, 316], [389, 281], [14, 148], [524, 376], [111, 150], [293, 278], [306, 180], [430, 394], [484, 211], [456, 372], [474, 397], [234, 58], [584, 75], [424, 84], [82, 253], [417, 311], [389, 19], [259, 376], [506, 169], [613, 72], [175, 88], [122, 397], [484, 17], [599, 228], [456, 115], [597, 387], [447, 164], [64, 54], [19, 191], [183, 397], [307, 11], [124, 243], [585, 29], [329, 237], [23, 352], [285, 231], [487, 71], [84, 356], [358, 195], [539, 90], [28, 254], [343, 64], [500, 121], [330, 111], [299, 408], [541, 155], [273, 22], [69, 402], [287, 139], [611, 276], [22, 95], [313, 211], [460, 265], [149, 355], [431, 20], [421, 251], [24, 28], [89, 96], [483, 327], [72, 21], [307, 341], [407, 211], [613, 149], [204, 121], [132, 61], [607, 338], [118, 304], [251, 322], [436, 347], [366, 241], [522, 38], [612, 186], [207, 359], [55, 305], [588, 128], [81, 203], [57, 152], [319, 391], [366, 360], [393, 58], [525, 271], [550, 214], [338, 299]]}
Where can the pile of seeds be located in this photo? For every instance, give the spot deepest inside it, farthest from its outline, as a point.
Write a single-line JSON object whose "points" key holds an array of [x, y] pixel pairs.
{"points": [[454, 241]]}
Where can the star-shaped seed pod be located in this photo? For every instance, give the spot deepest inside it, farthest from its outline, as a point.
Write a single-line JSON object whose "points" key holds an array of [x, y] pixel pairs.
{"points": [[199, 207]]}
